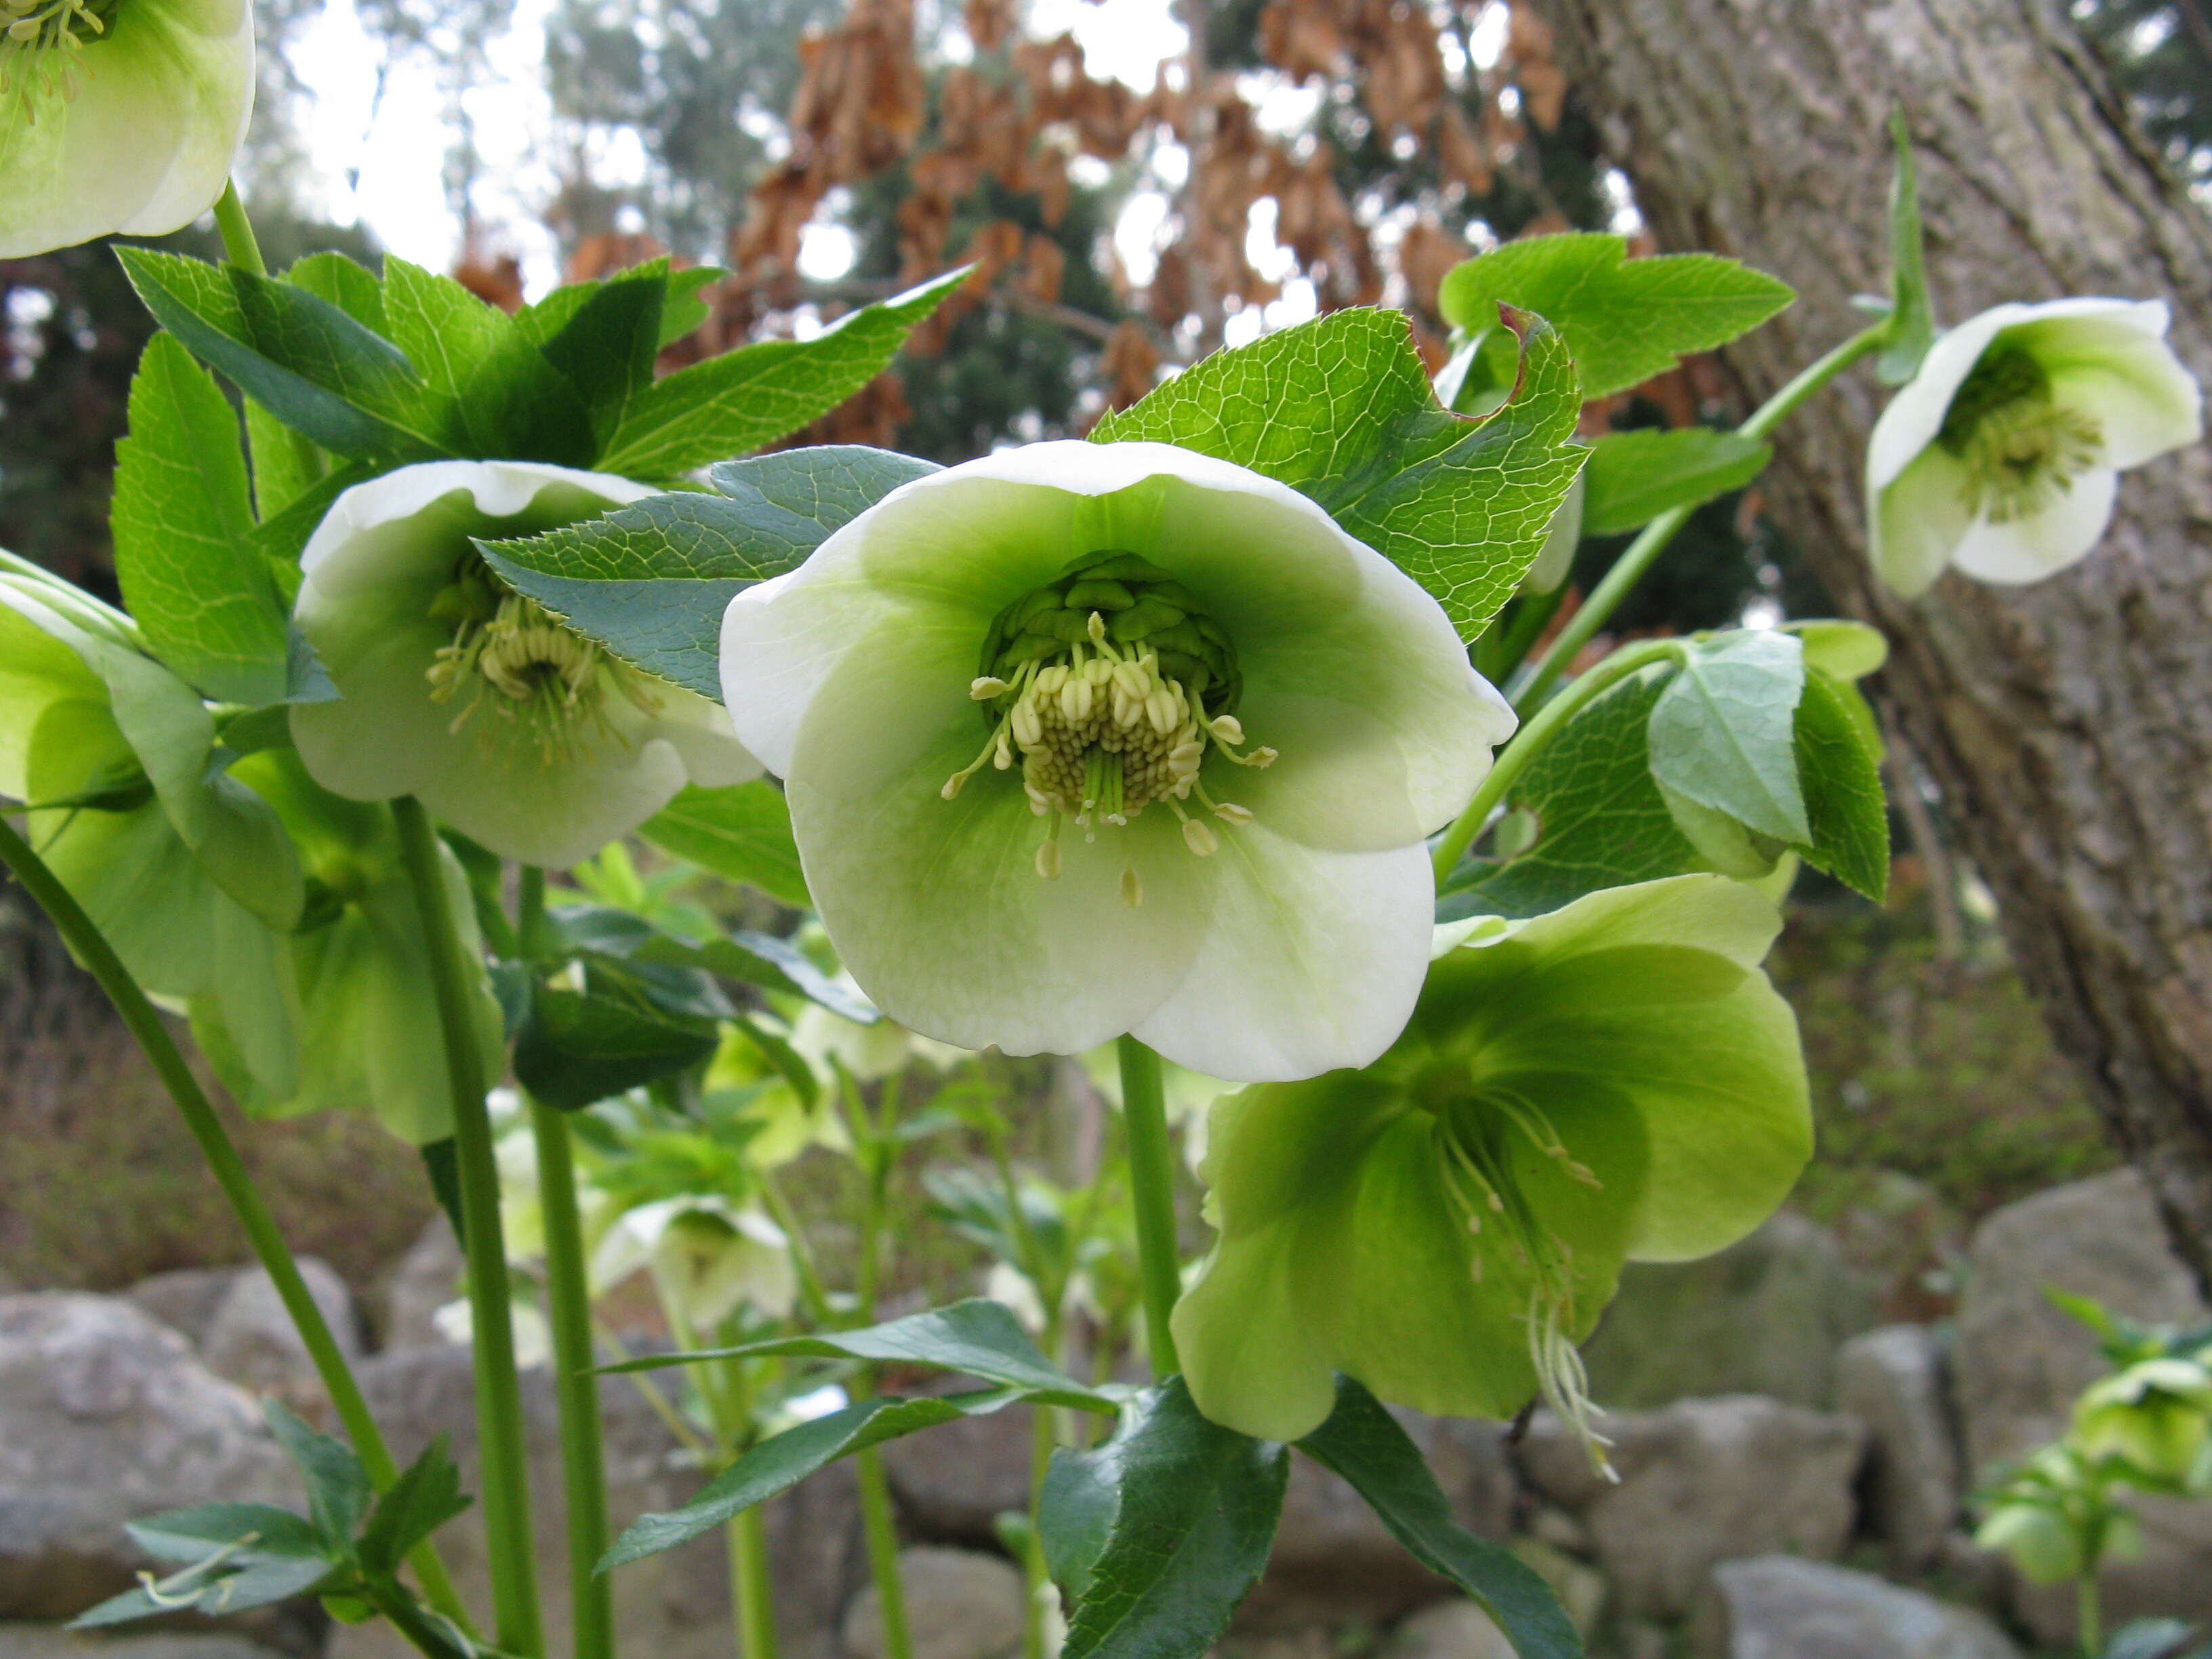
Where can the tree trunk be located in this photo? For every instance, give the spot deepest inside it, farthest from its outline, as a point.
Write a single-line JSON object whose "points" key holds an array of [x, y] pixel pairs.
{"points": [[2069, 724]]}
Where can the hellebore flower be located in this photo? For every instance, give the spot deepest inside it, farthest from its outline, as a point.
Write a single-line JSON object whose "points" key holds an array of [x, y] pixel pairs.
{"points": [[1616, 1081], [707, 1257], [2156, 1416], [1011, 704], [2003, 455], [117, 115], [508, 725]]}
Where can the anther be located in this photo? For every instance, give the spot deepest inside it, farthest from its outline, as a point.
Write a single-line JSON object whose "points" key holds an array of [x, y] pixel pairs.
{"points": [[984, 687], [1098, 629], [1198, 837], [1233, 815], [1227, 728], [1132, 887], [1048, 859]]}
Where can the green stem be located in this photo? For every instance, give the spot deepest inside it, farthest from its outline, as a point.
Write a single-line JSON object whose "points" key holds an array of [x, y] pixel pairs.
{"points": [[510, 1551], [239, 245], [144, 1023], [879, 1152], [2089, 1614], [529, 909], [1151, 1180], [883, 1552], [750, 1586], [568, 1308], [1627, 570], [1530, 742], [1044, 1440], [813, 1299]]}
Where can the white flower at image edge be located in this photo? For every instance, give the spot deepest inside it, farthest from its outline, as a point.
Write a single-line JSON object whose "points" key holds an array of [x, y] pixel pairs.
{"points": [[2001, 456], [117, 115], [1082, 739], [506, 726]]}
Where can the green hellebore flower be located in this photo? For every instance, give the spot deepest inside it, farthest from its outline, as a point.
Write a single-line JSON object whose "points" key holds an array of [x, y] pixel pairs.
{"points": [[2156, 1415], [505, 724], [190, 877], [708, 1258], [117, 115], [2003, 455], [1105, 623], [1616, 1081]]}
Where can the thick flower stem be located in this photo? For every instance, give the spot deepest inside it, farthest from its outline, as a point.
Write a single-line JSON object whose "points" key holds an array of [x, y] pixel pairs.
{"points": [[882, 1535], [1151, 1180], [510, 1551], [568, 1308], [1530, 742], [144, 1023], [752, 1586], [879, 1147], [1629, 569]]}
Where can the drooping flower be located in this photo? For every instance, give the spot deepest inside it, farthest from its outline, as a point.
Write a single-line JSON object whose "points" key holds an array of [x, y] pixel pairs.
{"points": [[454, 689], [2003, 455], [707, 1257], [1616, 1081], [1082, 739], [117, 115], [2155, 1416]]}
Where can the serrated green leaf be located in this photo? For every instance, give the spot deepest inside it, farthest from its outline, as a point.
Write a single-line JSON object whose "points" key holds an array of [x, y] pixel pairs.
{"points": [[1722, 733], [579, 1046], [1624, 320], [1600, 820], [1840, 769], [1634, 477], [338, 1491], [285, 464], [780, 1462], [742, 400], [605, 350], [761, 959], [427, 1495], [1163, 1561], [976, 1338], [742, 832], [489, 391], [650, 580], [310, 363], [191, 1533], [1340, 409], [351, 287], [1365, 1444], [182, 521], [683, 310]]}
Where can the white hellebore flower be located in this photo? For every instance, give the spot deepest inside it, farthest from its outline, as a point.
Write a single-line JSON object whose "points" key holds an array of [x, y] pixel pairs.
{"points": [[707, 1257], [456, 689], [2001, 456], [117, 115], [1082, 739]]}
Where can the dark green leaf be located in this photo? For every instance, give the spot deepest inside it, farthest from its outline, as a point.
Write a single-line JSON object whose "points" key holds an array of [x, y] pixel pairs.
{"points": [[1722, 733], [441, 1166], [266, 1581], [742, 400], [490, 392], [285, 464], [765, 960], [338, 1491], [427, 1495], [605, 350], [579, 1046], [193, 1534], [182, 521], [976, 1338], [1634, 477], [1364, 1443], [1839, 768], [309, 362], [1912, 318], [794, 499], [1340, 409], [1193, 1512], [742, 832], [1624, 320], [352, 288], [780, 1463], [683, 310]]}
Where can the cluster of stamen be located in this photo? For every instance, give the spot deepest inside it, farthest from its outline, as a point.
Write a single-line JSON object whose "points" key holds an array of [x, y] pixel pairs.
{"points": [[1474, 1136], [1112, 687], [44, 33], [509, 653], [2022, 449]]}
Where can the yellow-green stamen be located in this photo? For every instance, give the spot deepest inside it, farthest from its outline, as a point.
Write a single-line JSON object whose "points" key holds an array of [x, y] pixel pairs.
{"points": [[2020, 448], [35, 34]]}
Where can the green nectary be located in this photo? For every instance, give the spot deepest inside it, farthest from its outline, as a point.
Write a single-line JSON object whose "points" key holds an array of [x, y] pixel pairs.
{"points": [[1142, 606]]}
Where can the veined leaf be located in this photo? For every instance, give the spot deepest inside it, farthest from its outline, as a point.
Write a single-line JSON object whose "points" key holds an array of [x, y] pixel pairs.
{"points": [[489, 391], [1722, 733], [761, 959], [578, 1046], [183, 523], [742, 832], [1634, 477], [349, 286], [605, 350], [1624, 320], [1840, 769], [742, 400]]}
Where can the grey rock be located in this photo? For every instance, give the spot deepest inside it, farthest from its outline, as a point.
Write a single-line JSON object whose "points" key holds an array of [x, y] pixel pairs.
{"points": [[960, 1604], [1640, 1639], [1456, 1629], [1701, 1481], [184, 1299], [1334, 1561], [106, 1417], [422, 1281], [250, 1338], [2019, 1363], [52, 1641], [1894, 1381], [1777, 1607], [673, 1606], [953, 1482], [1762, 1316]]}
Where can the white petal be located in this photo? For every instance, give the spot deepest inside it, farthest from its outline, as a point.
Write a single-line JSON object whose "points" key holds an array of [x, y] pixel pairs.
{"points": [[698, 729], [1916, 413], [2029, 550], [348, 539], [1311, 962], [1915, 526], [213, 42], [2119, 372]]}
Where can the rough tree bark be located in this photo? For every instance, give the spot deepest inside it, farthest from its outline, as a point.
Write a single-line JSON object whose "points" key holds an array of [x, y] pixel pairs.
{"points": [[2069, 724]]}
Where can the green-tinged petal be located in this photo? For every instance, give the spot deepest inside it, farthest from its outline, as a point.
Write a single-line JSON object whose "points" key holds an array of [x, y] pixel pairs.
{"points": [[256, 986], [1915, 524], [37, 672], [1909, 423], [936, 906], [2030, 548], [2115, 367]]}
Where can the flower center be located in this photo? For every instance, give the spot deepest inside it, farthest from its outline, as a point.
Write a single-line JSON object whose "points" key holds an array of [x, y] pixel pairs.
{"points": [[510, 654], [41, 39], [1475, 1135], [2021, 450], [1112, 683]]}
